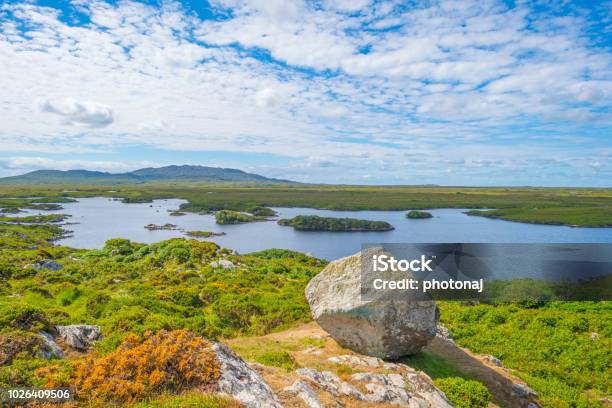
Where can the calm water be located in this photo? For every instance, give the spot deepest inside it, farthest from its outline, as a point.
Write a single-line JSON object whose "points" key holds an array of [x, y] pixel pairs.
{"points": [[99, 219]]}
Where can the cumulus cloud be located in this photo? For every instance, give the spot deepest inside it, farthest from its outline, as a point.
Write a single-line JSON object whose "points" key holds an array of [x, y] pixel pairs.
{"points": [[293, 79], [79, 113]]}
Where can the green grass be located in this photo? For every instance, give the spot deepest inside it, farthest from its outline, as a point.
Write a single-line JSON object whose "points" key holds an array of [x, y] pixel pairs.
{"points": [[434, 366], [280, 359], [581, 216], [189, 400]]}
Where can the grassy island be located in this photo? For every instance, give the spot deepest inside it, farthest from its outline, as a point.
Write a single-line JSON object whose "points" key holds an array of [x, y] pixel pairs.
{"points": [[154, 227], [237, 217], [418, 214], [316, 223], [233, 217], [204, 234], [35, 219]]}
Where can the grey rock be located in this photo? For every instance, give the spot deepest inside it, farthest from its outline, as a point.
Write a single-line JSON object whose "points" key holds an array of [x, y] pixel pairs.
{"points": [[523, 391], [494, 360], [242, 382], [443, 333], [379, 327], [303, 390], [356, 360], [223, 263], [413, 389], [79, 336], [51, 348], [47, 264], [331, 383]]}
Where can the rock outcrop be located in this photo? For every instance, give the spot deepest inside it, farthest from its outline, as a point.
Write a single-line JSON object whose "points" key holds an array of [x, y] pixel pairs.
{"points": [[306, 394], [381, 327], [79, 336], [223, 263], [404, 386], [331, 383], [47, 264], [51, 349], [242, 382]]}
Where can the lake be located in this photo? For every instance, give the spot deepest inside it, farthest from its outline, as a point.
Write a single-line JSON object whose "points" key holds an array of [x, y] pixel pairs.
{"points": [[99, 219]]}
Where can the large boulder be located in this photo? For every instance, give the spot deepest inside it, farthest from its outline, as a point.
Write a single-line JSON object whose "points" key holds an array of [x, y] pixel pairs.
{"points": [[377, 326]]}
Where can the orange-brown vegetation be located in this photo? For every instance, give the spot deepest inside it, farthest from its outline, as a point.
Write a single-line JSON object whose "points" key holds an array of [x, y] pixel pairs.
{"points": [[167, 361]]}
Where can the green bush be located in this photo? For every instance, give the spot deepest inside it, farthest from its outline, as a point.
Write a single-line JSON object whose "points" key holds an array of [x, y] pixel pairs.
{"points": [[280, 359], [561, 349], [464, 393]]}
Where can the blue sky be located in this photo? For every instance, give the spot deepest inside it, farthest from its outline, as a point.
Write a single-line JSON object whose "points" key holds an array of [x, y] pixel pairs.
{"points": [[338, 91]]}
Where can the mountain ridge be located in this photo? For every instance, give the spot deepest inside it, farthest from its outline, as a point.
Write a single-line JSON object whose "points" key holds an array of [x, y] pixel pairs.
{"points": [[189, 173]]}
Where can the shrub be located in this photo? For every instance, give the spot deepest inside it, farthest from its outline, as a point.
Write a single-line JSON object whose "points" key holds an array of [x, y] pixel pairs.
{"points": [[119, 246], [20, 373], [25, 318], [464, 393], [18, 343], [280, 359], [167, 361], [68, 296]]}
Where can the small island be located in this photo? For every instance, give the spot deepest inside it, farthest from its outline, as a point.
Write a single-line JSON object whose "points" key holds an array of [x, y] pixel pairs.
{"points": [[204, 234], [236, 217], [177, 213], [154, 227], [35, 219], [316, 223], [418, 214]]}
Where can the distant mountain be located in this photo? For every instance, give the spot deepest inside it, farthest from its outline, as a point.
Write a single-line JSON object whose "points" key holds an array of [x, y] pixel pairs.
{"points": [[150, 174]]}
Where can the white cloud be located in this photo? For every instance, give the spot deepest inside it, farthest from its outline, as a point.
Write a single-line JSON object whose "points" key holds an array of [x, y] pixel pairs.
{"points": [[266, 97], [76, 113], [447, 74], [28, 163]]}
